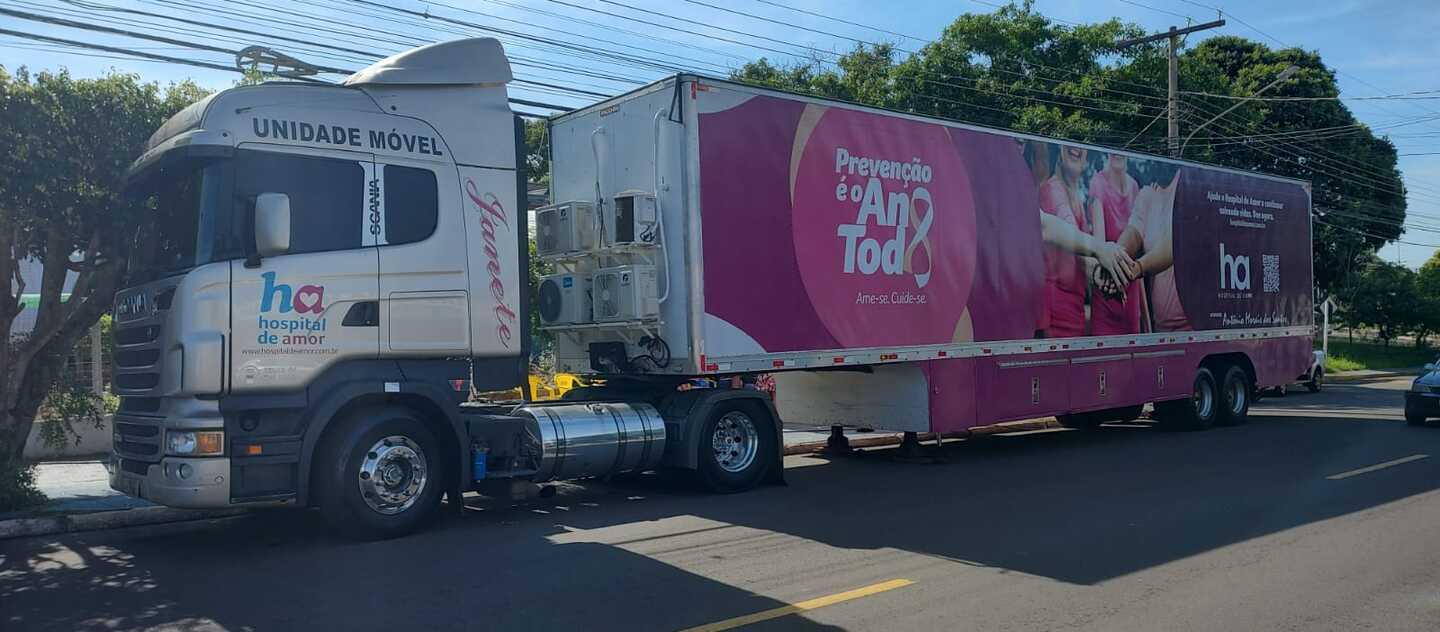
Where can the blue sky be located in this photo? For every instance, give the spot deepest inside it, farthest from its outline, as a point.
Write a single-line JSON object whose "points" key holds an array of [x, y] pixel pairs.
{"points": [[1377, 49]]}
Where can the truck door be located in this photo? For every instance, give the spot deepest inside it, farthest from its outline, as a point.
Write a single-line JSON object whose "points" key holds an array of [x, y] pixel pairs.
{"points": [[421, 239], [296, 314], [495, 232]]}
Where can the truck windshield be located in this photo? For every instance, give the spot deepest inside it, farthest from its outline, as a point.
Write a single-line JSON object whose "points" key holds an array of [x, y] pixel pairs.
{"points": [[195, 227]]}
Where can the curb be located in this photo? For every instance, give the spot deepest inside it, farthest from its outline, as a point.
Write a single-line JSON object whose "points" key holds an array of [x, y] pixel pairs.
{"points": [[70, 523], [979, 431], [1356, 376]]}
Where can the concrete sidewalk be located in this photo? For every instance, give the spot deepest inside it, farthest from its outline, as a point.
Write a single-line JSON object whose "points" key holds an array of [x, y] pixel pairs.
{"points": [[81, 500]]}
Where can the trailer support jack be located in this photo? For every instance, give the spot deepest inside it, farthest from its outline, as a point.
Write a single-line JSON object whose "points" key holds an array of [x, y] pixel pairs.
{"points": [[838, 443], [909, 447]]}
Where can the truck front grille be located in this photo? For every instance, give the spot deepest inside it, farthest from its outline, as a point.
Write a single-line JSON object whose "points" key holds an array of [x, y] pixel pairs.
{"points": [[140, 315], [138, 438]]}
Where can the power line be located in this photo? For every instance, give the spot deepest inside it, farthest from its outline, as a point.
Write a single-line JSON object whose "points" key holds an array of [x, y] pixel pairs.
{"points": [[663, 26], [1423, 95], [211, 66], [1182, 16], [840, 20]]}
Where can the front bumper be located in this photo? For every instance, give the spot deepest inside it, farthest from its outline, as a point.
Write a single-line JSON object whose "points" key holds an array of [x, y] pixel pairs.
{"points": [[1427, 404], [207, 485]]}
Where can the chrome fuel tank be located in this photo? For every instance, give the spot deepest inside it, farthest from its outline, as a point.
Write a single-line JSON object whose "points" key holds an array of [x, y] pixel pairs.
{"points": [[596, 438]]}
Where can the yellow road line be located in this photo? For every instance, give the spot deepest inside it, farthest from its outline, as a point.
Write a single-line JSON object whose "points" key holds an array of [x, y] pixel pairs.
{"points": [[809, 604], [1377, 466]]}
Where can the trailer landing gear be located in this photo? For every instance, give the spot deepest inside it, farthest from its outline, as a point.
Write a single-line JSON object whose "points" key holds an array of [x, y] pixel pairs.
{"points": [[838, 443], [910, 450]]}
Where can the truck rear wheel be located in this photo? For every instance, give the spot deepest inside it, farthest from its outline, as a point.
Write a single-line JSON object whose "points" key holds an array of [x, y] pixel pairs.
{"points": [[381, 475], [1199, 411], [737, 446], [1235, 392]]}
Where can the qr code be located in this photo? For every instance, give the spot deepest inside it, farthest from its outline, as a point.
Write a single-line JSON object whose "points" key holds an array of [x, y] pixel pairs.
{"points": [[1271, 265]]}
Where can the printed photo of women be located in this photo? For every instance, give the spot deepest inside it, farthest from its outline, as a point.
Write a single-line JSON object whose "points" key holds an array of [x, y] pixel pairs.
{"points": [[1114, 305], [1072, 246], [1148, 237]]}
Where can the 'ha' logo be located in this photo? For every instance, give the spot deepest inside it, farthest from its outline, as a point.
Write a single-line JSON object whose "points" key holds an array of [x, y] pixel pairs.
{"points": [[308, 299]]}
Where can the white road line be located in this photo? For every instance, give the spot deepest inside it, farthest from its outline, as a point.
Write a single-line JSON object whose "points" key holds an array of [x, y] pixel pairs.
{"points": [[1377, 466]]}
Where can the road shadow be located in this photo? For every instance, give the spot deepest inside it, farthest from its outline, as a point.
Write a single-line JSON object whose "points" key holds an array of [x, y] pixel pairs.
{"points": [[286, 570]]}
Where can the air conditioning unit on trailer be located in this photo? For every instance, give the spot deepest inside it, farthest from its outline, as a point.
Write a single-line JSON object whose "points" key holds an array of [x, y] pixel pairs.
{"points": [[625, 293], [564, 299], [631, 219], [565, 227]]}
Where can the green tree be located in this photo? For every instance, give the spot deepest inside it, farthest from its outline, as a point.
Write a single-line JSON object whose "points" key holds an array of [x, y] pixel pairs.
{"points": [[1427, 299], [1383, 296], [67, 143], [537, 151], [1015, 68]]}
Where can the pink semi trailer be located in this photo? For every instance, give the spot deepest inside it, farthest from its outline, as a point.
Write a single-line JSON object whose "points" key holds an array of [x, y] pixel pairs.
{"points": [[908, 273], [346, 266]]}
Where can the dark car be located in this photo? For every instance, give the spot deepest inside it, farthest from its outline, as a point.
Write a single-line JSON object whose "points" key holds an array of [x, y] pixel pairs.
{"points": [[1422, 401]]}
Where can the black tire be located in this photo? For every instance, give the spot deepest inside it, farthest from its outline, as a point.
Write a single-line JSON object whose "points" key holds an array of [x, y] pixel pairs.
{"points": [[1235, 390], [1197, 412], [1414, 418], [1317, 380], [730, 472], [352, 447]]}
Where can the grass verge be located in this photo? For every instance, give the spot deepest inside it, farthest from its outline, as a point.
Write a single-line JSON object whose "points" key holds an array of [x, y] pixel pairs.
{"points": [[1355, 356]]}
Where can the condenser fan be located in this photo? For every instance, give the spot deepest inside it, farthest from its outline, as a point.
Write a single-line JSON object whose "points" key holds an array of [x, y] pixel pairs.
{"points": [[550, 300]]}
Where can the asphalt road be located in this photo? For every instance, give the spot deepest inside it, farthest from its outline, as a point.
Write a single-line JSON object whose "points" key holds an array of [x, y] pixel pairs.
{"points": [[1282, 524]]}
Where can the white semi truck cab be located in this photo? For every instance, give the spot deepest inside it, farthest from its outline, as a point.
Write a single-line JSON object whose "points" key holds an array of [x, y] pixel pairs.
{"points": [[343, 266]]}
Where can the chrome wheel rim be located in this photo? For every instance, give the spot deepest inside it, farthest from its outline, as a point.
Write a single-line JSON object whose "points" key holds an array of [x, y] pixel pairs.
{"points": [[1235, 397], [735, 442], [1203, 399], [393, 475]]}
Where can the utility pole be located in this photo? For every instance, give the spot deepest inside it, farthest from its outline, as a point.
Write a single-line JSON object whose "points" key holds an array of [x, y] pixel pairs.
{"points": [[1173, 103]]}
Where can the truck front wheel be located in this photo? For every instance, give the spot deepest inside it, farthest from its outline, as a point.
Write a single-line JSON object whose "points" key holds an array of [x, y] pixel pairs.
{"points": [[737, 446], [381, 475]]}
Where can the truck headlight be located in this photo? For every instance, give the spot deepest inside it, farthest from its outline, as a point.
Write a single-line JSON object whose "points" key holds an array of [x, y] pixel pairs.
{"points": [[195, 442]]}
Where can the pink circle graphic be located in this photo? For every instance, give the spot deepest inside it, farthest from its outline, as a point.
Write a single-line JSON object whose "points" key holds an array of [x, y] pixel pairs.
{"points": [[884, 229]]}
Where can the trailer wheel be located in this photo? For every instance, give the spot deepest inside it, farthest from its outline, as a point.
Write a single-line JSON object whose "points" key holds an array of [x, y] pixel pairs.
{"points": [[1199, 411], [1235, 392], [1317, 380], [381, 476], [736, 446]]}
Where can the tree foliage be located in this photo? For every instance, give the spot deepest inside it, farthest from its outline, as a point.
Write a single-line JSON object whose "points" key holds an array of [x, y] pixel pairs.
{"points": [[537, 151], [67, 144], [1016, 69], [1383, 296]]}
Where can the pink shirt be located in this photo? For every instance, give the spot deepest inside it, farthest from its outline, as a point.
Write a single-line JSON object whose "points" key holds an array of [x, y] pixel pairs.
{"points": [[1064, 276], [1112, 316], [1153, 217]]}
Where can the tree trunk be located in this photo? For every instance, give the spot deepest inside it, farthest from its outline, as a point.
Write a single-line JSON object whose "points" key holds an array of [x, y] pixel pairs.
{"points": [[33, 365]]}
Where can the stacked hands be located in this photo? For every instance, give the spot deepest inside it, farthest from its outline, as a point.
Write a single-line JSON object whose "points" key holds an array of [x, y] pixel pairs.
{"points": [[1113, 271]]}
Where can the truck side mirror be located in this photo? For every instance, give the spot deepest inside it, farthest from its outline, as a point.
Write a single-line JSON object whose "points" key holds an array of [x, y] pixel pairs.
{"points": [[272, 224]]}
